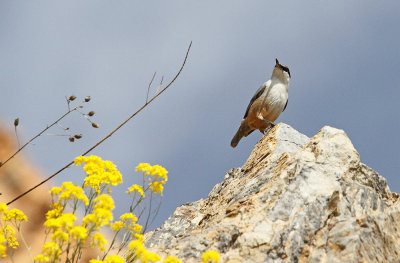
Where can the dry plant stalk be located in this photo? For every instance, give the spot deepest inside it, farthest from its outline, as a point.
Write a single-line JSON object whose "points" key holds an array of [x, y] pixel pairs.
{"points": [[107, 136]]}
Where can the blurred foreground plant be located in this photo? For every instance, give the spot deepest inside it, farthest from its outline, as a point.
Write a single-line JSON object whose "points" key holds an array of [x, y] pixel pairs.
{"points": [[10, 220], [67, 236]]}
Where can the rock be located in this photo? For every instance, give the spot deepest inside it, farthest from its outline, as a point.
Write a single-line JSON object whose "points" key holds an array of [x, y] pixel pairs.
{"points": [[295, 199]]}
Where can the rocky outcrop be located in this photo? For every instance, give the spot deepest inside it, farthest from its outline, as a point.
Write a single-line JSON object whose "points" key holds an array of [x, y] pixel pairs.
{"points": [[295, 199]]}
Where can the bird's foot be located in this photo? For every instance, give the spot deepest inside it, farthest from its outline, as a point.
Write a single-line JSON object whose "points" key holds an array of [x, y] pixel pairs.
{"points": [[260, 117], [266, 130]]}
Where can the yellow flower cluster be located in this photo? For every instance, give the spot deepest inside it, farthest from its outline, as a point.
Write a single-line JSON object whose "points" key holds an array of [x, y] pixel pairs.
{"points": [[51, 252], [61, 225], [210, 256], [99, 241], [100, 174], [109, 259], [7, 232], [157, 176], [79, 233], [136, 188], [69, 191], [137, 251], [63, 222], [129, 220], [68, 239], [172, 259], [101, 214]]}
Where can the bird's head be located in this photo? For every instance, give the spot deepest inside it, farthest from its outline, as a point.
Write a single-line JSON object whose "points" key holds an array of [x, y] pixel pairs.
{"points": [[281, 72]]}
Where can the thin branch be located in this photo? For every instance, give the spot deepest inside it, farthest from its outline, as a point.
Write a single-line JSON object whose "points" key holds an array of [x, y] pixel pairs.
{"points": [[109, 135], [159, 86], [157, 210], [148, 88], [149, 213], [39, 134], [16, 134]]}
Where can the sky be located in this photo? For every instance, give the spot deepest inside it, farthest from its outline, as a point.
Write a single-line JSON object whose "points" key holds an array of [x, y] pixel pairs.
{"points": [[344, 58]]}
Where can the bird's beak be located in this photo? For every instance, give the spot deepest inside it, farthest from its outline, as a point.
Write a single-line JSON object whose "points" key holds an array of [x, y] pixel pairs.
{"points": [[277, 62]]}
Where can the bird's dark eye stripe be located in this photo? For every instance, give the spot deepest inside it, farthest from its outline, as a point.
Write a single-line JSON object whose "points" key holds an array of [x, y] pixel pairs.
{"points": [[286, 69]]}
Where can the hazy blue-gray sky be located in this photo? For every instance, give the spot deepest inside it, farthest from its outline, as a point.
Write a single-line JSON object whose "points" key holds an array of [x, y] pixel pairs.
{"points": [[344, 58]]}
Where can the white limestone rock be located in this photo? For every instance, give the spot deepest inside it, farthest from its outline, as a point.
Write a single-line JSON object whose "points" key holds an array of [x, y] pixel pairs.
{"points": [[294, 200]]}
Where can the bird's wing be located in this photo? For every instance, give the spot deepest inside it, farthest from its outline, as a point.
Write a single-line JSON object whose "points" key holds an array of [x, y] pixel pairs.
{"points": [[256, 96], [285, 105]]}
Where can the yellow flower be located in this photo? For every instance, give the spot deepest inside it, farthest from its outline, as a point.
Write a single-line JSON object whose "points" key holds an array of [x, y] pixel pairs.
{"points": [[79, 233], [139, 237], [157, 187], [104, 201], [41, 258], [172, 259], [15, 214], [65, 221], [3, 248], [100, 217], [69, 191], [3, 208], [96, 261], [9, 233], [60, 236], [118, 225], [52, 250], [150, 257], [136, 188], [143, 167], [55, 212], [99, 173], [99, 241], [139, 251], [128, 216], [155, 171], [210, 256], [136, 248], [114, 259], [79, 160], [160, 171], [134, 228], [158, 177], [55, 190]]}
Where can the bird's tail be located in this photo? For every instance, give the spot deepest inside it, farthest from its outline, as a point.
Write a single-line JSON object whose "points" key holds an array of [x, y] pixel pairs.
{"points": [[243, 131]]}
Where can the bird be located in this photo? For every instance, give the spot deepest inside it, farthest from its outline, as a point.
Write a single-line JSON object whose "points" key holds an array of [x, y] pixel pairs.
{"points": [[269, 101]]}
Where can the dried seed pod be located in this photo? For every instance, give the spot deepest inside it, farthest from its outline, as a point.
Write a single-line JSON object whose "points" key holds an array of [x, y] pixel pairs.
{"points": [[78, 136], [91, 113], [87, 99], [95, 125], [72, 97], [71, 139], [16, 122]]}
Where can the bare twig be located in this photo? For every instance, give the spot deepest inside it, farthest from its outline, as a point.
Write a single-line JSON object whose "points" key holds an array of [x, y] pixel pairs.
{"points": [[156, 211], [109, 135], [159, 86], [39, 134], [16, 122], [149, 213], [148, 88]]}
